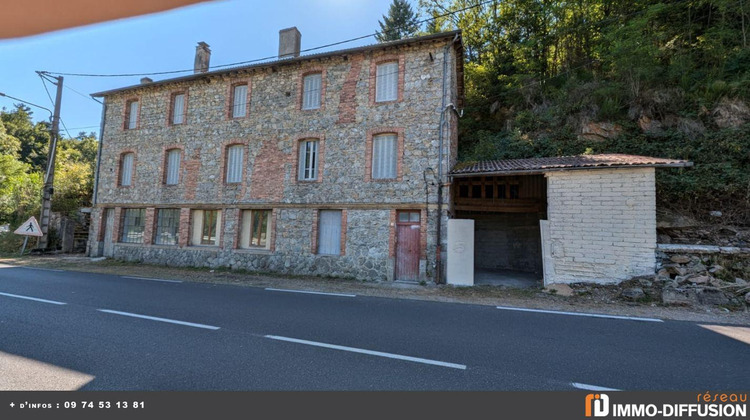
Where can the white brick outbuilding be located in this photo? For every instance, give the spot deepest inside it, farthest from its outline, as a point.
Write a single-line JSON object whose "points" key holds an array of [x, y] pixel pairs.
{"points": [[596, 215]]}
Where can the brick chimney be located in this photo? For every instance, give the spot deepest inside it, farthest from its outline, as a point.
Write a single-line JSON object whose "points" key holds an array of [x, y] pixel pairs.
{"points": [[289, 42], [202, 57]]}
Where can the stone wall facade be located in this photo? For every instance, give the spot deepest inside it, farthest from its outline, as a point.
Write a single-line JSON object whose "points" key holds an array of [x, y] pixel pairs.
{"points": [[270, 136], [602, 225]]}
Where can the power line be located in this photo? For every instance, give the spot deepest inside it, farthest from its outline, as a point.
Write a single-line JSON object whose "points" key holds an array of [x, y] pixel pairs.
{"points": [[265, 58], [26, 102]]}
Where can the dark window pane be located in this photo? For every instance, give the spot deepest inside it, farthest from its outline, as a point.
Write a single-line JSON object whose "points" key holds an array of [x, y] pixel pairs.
{"points": [[489, 191], [514, 191], [501, 191], [476, 191], [463, 191]]}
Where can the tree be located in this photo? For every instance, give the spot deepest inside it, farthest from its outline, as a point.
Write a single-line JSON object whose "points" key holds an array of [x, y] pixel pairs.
{"points": [[401, 22]]}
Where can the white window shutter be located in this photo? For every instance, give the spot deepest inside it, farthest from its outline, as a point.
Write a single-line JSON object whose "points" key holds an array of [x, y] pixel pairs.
{"points": [[126, 176], [234, 164], [178, 109], [133, 115], [173, 166], [329, 232], [239, 105], [384, 156], [386, 82], [312, 91]]}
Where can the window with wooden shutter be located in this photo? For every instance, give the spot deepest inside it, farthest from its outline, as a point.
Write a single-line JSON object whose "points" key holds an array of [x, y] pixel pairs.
{"points": [[329, 232], [386, 82], [311, 92], [126, 169], [178, 108], [308, 160], [384, 156], [234, 163], [173, 166], [239, 101], [254, 232], [205, 227]]}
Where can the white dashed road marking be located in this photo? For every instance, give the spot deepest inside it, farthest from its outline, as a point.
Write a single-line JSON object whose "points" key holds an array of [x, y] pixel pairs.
{"points": [[309, 292], [588, 387], [368, 352], [154, 318], [150, 279], [543, 311], [54, 302]]}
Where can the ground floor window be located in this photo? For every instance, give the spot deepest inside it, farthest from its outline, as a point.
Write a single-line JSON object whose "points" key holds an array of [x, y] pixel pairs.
{"points": [[329, 232], [133, 224], [167, 227], [205, 225], [254, 232]]}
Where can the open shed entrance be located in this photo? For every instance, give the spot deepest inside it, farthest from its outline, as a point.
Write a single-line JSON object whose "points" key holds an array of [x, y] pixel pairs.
{"points": [[507, 240]]}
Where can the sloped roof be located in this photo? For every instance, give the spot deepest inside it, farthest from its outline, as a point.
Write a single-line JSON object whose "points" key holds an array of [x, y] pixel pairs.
{"points": [[549, 164], [302, 58]]}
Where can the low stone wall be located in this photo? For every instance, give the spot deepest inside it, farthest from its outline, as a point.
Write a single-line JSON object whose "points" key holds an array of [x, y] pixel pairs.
{"points": [[358, 267], [704, 274]]}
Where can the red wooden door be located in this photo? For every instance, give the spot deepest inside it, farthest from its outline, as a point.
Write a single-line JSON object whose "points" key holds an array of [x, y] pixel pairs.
{"points": [[407, 245]]}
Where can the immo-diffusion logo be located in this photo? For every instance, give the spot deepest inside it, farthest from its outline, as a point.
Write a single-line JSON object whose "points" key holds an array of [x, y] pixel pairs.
{"points": [[599, 403], [708, 406]]}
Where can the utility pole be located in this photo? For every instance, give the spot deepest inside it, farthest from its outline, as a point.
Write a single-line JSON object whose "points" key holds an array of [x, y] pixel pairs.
{"points": [[49, 176]]}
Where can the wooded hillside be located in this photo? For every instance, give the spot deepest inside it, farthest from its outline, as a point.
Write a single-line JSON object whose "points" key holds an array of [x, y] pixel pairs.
{"points": [[661, 78]]}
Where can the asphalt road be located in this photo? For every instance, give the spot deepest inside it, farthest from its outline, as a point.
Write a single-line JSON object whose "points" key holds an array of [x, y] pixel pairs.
{"points": [[71, 330]]}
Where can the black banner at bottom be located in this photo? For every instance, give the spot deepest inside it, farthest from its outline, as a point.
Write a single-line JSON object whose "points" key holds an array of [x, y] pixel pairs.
{"points": [[428, 405]]}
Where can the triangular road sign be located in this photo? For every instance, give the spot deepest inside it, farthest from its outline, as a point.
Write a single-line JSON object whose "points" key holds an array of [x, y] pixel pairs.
{"points": [[29, 228]]}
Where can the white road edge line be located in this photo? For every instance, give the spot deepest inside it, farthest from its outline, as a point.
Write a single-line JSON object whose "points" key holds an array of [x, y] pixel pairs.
{"points": [[148, 278], [629, 318], [54, 302], [369, 352], [154, 318], [588, 387], [309, 292], [44, 269]]}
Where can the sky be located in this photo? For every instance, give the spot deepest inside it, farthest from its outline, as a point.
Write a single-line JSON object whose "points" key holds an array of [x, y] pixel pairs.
{"points": [[236, 30]]}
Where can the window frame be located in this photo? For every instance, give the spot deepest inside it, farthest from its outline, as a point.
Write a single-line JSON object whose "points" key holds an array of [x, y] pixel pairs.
{"points": [[121, 166], [127, 113], [226, 162], [385, 59], [124, 233], [393, 137], [302, 160], [199, 232], [301, 89], [320, 138], [158, 226], [167, 151], [231, 97], [369, 153], [317, 225], [171, 114], [248, 231]]}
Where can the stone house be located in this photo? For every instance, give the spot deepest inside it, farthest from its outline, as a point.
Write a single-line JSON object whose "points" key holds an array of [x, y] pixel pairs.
{"points": [[326, 164]]}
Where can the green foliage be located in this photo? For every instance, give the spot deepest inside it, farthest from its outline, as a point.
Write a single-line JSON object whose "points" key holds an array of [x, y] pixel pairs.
{"points": [[539, 70], [22, 164], [19, 191], [401, 22], [34, 138]]}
